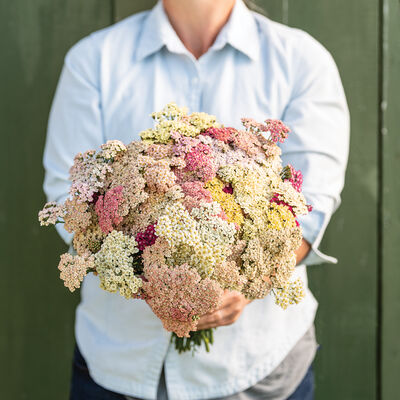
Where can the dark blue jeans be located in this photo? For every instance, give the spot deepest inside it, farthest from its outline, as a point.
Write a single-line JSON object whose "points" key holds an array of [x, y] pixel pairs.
{"points": [[83, 387], [305, 391]]}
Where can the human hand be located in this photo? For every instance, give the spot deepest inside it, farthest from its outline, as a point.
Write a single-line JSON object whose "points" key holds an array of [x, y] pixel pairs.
{"points": [[228, 312]]}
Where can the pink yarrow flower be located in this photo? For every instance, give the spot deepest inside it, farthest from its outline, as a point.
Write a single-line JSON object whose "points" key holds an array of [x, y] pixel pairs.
{"points": [[253, 126], [223, 134], [183, 144], [82, 191], [178, 295], [195, 194], [107, 208], [200, 161], [146, 238], [278, 130], [296, 178], [228, 189]]}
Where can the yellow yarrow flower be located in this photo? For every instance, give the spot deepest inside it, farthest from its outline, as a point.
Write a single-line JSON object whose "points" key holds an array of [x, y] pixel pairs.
{"points": [[203, 121], [175, 119], [227, 201], [291, 293], [279, 217]]}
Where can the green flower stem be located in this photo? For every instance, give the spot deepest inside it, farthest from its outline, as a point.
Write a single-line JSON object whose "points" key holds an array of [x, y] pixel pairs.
{"points": [[194, 341]]}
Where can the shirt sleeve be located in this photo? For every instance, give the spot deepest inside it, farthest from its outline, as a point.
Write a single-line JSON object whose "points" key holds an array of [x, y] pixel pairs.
{"points": [[75, 121], [318, 117]]}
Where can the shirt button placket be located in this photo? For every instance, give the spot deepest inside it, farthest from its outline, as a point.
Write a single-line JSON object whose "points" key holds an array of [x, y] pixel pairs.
{"points": [[195, 92]]}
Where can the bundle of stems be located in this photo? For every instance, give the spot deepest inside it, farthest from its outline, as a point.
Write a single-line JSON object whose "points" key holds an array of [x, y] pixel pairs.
{"points": [[194, 341]]}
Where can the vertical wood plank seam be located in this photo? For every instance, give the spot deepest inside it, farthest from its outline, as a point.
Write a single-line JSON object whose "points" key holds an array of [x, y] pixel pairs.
{"points": [[382, 54], [285, 12], [113, 11]]}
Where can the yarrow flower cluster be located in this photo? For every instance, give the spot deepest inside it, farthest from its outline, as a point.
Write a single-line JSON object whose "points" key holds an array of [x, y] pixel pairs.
{"points": [[112, 148], [178, 296], [146, 238], [73, 269], [289, 294], [50, 214], [114, 265], [277, 130], [107, 208], [191, 210]]}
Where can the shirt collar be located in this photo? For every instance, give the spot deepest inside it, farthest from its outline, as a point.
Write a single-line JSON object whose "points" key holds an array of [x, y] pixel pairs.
{"points": [[240, 32]]}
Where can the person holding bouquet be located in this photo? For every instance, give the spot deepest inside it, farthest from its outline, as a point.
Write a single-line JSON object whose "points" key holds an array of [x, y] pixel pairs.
{"points": [[223, 59]]}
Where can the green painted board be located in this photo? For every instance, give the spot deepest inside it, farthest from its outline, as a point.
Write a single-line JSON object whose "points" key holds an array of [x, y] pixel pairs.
{"points": [[275, 9], [347, 318], [124, 8], [36, 333], [390, 256]]}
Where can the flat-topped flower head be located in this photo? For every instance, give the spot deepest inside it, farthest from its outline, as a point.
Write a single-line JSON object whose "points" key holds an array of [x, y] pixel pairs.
{"points": [[277, 129], [51, 214], [296, 178], [170, 112], [108, 209], [173, 119], [223, 134], [114, 265], [112, 149], [73, 269], [146, 238], [253, 126], [178, 296]]}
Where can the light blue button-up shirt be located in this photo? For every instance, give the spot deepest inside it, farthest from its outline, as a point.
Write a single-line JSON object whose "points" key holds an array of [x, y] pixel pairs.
{"points": [[111, 81]]}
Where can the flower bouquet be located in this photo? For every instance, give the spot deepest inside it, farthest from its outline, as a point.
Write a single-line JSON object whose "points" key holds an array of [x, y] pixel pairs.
{"points": [[191, 210]]}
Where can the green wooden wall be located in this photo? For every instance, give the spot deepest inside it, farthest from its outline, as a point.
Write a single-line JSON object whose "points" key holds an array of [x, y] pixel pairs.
{"points": [[359, 314], [389, 189], [36, 332]]}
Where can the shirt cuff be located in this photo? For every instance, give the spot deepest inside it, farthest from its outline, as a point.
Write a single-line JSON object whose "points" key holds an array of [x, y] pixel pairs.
{"points": [[313, 226]]}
